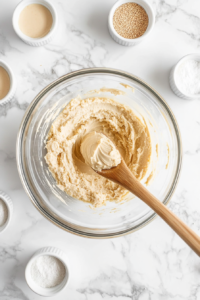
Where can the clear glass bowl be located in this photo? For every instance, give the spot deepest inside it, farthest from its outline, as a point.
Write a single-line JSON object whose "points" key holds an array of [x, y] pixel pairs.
{"points": [[78, 217]]}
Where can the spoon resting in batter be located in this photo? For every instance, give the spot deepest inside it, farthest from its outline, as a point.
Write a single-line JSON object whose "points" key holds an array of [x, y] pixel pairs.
{"points": [[99, 151], [120, 174]]}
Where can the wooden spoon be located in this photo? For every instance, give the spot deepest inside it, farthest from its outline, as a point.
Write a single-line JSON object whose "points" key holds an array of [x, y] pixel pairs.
{"points": [[123, 176]]}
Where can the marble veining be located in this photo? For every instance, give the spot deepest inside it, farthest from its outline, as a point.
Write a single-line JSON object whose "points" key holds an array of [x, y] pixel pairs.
{"points": [[150, 264]]}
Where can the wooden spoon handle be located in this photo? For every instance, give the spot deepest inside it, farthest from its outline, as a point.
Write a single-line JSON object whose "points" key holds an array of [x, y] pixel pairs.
{"points": [[124, 177]]}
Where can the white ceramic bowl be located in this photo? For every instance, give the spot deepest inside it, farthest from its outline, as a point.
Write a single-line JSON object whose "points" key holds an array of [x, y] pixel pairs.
{"points": [[173, 75], [130, 42], [47, 292], [9, 205], [12, 90], [35, 42]]}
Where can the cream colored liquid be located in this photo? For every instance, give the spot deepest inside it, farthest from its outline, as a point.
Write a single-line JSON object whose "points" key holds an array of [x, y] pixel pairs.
{"points": [[4, 83], [35, 21]]}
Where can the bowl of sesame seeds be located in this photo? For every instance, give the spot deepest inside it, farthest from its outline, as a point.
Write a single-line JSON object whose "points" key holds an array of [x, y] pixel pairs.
{"points": [[130, 22]]}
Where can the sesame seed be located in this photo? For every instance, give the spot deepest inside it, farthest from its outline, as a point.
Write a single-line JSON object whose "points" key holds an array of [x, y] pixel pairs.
{"points": [[130, 20]]}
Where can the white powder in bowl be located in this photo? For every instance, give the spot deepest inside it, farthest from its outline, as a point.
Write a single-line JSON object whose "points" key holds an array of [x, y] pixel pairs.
{"points": [[3, 212], [47, 271], [188, 77]]}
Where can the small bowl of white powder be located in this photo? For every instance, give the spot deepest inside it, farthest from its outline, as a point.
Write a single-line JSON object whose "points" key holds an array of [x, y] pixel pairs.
{"points": [[47, 272], [6, 209], [185, 77]]}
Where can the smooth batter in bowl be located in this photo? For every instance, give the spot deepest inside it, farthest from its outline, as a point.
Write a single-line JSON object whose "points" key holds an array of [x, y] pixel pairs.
{"points": [[77, 216]]}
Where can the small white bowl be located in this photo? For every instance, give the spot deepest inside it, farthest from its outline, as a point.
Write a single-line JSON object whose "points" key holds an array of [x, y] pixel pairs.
{"points": [[47, 292], [130, 42], [35, 42], [12, 90], [9, 205], [172, 78]]}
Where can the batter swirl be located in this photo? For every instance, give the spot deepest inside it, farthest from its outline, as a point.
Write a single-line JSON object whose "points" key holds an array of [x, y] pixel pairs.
{"points": [[66, 163]]}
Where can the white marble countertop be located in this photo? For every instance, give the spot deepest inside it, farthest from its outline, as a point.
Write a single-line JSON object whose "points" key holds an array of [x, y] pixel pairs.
{"points": [[152, 263]]}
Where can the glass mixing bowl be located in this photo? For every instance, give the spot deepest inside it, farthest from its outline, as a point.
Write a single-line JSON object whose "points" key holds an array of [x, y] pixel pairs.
{"points": [[79, 217]]}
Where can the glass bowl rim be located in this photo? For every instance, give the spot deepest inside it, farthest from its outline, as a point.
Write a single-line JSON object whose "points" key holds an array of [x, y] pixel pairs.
{"points": [[19, 159]]}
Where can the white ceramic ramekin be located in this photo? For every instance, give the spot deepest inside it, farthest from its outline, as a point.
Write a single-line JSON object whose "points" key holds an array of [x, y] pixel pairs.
{"points": [[9, 205], [130, 42], [47, 292], [12, 90], [173, 75], [35, 42]]}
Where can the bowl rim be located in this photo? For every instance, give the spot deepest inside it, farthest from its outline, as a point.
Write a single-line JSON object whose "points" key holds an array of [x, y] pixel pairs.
{"points": [[75, 230]]}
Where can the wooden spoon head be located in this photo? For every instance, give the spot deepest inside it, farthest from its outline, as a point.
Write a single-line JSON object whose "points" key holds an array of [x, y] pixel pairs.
{"points": [[116, 173]]}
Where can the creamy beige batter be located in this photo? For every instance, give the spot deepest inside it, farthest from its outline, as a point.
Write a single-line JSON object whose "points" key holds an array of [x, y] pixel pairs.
{"points": [[35, 20], [4, 83], [103, 115], [99, 152]]}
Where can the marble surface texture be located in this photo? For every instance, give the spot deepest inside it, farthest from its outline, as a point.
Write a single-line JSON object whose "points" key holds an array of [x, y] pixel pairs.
{"points": [[153, 263]]}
